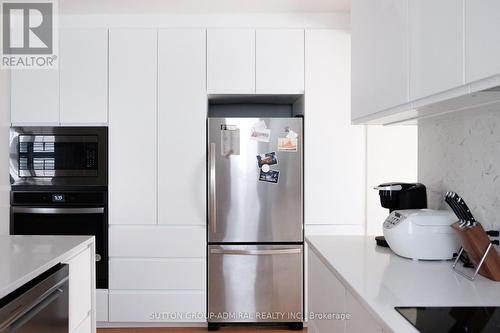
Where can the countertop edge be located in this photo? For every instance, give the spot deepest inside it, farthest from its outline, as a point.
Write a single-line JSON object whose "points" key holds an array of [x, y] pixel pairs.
{"points": [[346, 283], [61, 258]]}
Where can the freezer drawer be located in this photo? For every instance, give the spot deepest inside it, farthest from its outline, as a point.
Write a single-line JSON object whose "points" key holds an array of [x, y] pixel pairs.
{"points": [[255, 283]]}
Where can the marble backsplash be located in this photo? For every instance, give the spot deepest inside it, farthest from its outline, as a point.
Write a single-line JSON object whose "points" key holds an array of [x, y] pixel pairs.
{"points": [[460, 152]]}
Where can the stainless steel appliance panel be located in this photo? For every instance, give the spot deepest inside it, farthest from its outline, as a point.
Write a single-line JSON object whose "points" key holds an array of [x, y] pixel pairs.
{"points": [[41, 306], [59, 156], [255, 283], [242, 208]]}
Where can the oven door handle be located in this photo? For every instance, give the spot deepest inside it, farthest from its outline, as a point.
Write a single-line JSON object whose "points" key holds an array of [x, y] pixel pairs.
{"points": [[45, 210]]}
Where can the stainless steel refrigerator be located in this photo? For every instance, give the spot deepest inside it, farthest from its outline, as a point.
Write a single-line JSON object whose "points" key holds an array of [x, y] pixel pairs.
{"points": [[255, 224]]}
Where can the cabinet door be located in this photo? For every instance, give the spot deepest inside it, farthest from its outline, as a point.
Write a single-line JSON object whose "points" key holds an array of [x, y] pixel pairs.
{"points": [[482, 23], [80, 288], [326, 295], [390, 53], [132, 126], [231, 60], [84, 76], [280, 60], [436, 46], [361, 320], [335, 149], [182, 111], [35, 96], [363, 61]]}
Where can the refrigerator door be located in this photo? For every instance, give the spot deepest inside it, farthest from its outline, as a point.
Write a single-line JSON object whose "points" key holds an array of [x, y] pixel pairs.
{"points": [[243, 208], [255, 283]]}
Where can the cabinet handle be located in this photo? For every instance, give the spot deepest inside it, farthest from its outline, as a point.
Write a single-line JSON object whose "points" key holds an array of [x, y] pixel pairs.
{"points": [[213, 194]]}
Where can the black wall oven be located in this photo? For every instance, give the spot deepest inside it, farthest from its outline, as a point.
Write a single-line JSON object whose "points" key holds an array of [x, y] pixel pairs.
{"points": [[59, 185]]}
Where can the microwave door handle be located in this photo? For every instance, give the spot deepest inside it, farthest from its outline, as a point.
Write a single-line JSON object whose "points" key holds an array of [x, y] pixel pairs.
{"points": [[52, 211], [213, 194]]}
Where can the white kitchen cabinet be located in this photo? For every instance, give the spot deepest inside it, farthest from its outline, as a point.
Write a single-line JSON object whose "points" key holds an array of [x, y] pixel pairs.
{"points": [[482, 41], [85, 326], [280, 60], [326, 295], [155, 306], [157, 274], [361, 320], [379, 56], [334, 148], [34, 96], [436, 46], [101, 304], [132, 126], [182, 111], [390, 54], [83, 76], [81, 289], [157, 241], [231, 60]]}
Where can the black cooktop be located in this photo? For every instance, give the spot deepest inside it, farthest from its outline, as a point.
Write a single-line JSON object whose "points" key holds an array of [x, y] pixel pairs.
{"points": [[453, 319]]}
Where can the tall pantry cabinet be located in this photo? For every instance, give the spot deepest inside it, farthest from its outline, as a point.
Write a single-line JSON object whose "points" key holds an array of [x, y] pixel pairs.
{"points": [[157, 206]]}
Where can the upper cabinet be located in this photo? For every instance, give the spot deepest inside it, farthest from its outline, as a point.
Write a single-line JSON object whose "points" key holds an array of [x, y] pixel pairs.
{"points": [[84, 76], [379, 56], [418, 58], [231, 60], [76, 93], [246, 61], [280, 60], [482, 24], [34, 96], [436, 46]]}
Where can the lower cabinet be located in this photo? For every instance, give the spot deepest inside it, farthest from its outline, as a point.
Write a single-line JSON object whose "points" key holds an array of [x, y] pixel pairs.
{"points": [[156, 306], [81, 292], [331, 308], [101, 304], [361, 321]]}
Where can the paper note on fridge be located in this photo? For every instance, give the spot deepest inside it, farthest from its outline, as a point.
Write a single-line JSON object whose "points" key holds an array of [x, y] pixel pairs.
{"points": [[263, 134], [230, 140], [267, 159], [287, 144], [260, 132]]}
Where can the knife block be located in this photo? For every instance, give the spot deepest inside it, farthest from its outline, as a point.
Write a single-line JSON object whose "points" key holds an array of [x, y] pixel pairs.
{"points": [[475, 241]]}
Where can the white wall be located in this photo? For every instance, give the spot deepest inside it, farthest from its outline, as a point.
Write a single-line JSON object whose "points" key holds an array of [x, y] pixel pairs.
{"points": [[461, 152], [4, 152], [391, 157]]}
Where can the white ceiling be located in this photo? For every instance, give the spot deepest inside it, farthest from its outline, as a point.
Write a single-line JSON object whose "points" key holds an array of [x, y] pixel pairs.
{"points": [[78, 7]]}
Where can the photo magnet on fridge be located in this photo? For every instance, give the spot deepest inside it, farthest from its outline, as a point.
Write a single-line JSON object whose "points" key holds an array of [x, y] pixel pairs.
{"points": [[272, 176], [267, 158], [287, 144]]}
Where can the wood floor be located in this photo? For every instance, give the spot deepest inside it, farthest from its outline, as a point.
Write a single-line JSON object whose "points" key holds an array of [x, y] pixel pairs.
{"points": [[197, 330]]}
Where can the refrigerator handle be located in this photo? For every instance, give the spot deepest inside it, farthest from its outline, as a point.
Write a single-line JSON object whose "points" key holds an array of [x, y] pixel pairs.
{"points": [[213, 198], [256, 252]]}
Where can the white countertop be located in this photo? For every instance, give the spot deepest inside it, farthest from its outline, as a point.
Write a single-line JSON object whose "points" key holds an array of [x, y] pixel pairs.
{"points": [[22, 258], [381, 280]]}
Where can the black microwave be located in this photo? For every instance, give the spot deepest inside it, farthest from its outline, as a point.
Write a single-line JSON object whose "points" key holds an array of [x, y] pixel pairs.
{"points": [[59, 156]]}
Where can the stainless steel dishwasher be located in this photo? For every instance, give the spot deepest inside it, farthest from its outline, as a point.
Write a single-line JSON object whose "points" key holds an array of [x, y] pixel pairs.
{"points": [[39, 306]]}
